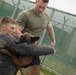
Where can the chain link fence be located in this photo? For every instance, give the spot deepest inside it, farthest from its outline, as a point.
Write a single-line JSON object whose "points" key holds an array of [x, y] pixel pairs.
{"points": [[64, 23]]}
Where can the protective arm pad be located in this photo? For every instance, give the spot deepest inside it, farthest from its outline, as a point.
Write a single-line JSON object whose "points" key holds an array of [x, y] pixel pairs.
{"points": [[30, 50], [39, 51], [25, 49]]}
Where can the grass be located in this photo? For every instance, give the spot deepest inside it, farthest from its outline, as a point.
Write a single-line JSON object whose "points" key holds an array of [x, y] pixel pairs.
{"points": [[44, 71], [47, 72]]}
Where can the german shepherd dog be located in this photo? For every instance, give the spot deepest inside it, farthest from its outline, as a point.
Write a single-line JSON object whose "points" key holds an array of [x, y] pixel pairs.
{"points": [[26, 47]]}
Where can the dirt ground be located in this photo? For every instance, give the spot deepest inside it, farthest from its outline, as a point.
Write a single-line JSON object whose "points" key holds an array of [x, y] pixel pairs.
{"points": [[20, 73]]}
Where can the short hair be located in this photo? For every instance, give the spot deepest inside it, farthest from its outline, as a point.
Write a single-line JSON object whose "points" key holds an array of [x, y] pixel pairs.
{"points": [[6, 20], [45, 1]]}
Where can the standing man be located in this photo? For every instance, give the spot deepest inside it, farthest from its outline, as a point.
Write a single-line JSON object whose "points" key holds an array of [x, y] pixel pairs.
{"points": [[34, 21]]}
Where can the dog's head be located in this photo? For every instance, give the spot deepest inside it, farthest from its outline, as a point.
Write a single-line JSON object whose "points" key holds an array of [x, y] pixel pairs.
{"points": [[28, 38]]}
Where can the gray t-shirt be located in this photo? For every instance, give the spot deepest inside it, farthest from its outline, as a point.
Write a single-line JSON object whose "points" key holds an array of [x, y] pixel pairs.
{"points": [[33, 23]]}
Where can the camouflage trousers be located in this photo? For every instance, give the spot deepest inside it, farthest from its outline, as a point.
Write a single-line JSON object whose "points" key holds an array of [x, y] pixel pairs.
{"points": [[6, 65]]}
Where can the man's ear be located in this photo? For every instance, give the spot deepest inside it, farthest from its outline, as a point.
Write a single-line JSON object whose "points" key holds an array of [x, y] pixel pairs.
{"points": [[37, 1], [33, 39], [3, 27]]}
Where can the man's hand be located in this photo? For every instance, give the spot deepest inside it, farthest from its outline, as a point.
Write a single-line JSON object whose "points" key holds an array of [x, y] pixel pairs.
{"points": [[17, 34], [52, 44]]}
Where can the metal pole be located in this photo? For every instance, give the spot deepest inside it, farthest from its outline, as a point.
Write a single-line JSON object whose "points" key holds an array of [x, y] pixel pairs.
{"points": [[42, 37], [16, 7], [52, 13]]}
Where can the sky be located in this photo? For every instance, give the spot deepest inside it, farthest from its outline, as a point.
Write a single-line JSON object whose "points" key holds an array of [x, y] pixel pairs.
{"points": [[64, 5]]}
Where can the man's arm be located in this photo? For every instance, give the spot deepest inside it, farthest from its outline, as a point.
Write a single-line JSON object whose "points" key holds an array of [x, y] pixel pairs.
{"points": [[51, 34], [23, 49]]}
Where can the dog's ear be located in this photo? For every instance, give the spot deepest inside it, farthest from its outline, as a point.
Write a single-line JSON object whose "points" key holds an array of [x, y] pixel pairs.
{"points": [[33, 39], [22, 39]]}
